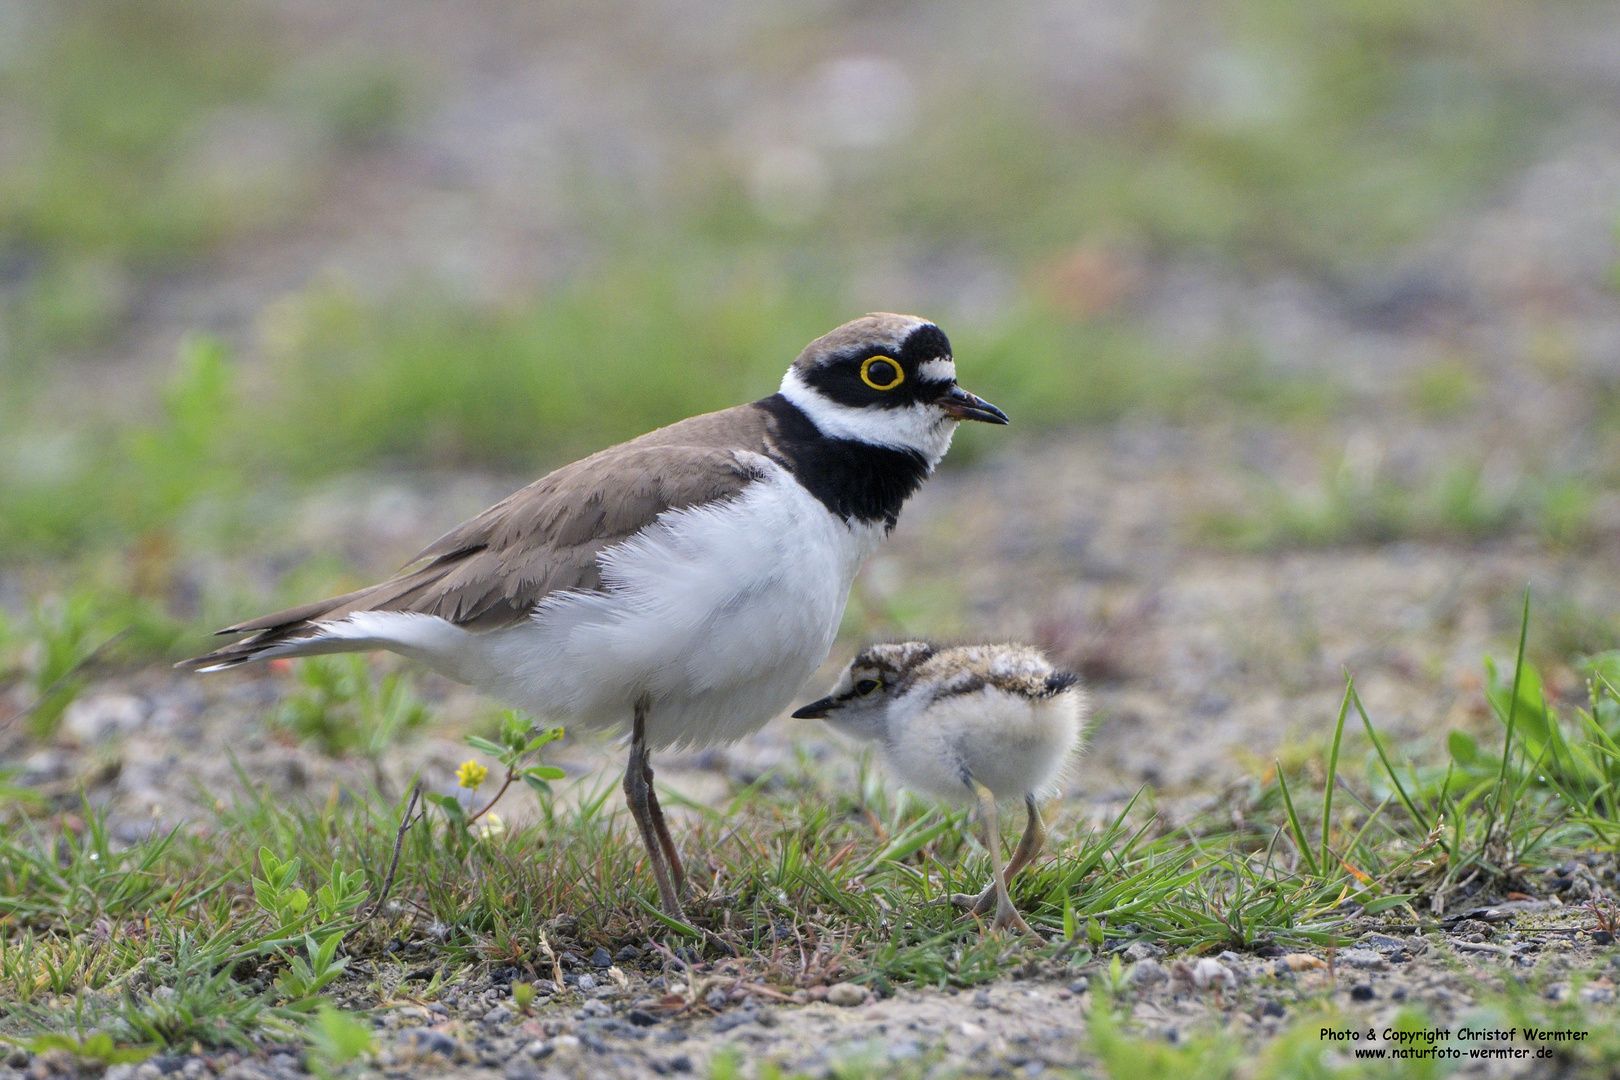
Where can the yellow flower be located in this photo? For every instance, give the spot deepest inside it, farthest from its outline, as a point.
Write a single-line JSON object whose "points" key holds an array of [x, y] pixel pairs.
{"points": [[471, 774]]}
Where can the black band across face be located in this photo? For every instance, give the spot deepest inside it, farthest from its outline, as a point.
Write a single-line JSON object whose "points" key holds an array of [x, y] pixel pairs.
{"points": [[857, 378]]}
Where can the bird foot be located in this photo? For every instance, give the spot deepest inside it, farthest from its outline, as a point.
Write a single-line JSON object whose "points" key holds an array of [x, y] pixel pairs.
{"points": [[1008, 918], [975, 903], [982, 904]]}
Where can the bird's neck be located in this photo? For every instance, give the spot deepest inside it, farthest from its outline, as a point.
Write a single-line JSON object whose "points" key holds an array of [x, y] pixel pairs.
{"points": [[858, 481]]}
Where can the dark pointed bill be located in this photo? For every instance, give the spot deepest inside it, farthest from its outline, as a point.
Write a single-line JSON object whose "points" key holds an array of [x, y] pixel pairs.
{"points": [[815, 710], [961, 405]]}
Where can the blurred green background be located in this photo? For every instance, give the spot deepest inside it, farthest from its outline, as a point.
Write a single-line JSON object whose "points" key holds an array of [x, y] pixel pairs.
{"points": [[251, 248]]}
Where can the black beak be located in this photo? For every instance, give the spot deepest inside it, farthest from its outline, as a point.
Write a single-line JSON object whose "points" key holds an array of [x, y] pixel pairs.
{"points": [[961, 405], [816, 709]]}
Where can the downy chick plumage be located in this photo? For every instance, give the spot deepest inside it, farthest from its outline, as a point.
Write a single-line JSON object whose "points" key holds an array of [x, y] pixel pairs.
{"points": [[971, 722]]}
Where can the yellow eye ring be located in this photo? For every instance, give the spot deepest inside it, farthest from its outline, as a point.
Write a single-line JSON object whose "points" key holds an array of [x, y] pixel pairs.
{"points": [[894, 365]]}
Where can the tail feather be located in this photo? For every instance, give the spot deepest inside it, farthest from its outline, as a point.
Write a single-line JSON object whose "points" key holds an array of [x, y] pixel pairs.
{"points": [[304, 638], [303, 630]]}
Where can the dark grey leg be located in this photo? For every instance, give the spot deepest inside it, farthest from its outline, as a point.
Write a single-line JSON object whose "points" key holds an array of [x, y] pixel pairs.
{"points": [[638, 793], [665, 841]]}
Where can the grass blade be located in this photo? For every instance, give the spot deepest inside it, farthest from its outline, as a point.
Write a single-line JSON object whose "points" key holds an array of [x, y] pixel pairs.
{"points": [[1333, 767], [1378, 745], [1293, 823]]}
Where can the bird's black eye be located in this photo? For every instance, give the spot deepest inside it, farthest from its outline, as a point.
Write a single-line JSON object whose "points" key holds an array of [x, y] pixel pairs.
{"points": [[881, 373], [867, 686]]}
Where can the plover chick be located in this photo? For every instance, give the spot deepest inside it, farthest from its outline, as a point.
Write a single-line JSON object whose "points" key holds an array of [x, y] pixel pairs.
{"points": [[980, 722], [685, 583]]}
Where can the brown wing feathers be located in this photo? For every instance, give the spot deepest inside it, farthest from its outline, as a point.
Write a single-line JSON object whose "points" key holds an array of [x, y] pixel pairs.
{"points": [[491, 571]]}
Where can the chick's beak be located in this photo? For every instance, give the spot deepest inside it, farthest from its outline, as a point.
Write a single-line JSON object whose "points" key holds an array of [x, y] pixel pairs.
{"points": [[961, 405], [815, 710]]}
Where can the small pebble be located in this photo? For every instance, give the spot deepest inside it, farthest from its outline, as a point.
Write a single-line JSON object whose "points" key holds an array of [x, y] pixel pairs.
{"points": [[1366, 959], [587, 982], [726, 1021], [601, 958], [1141, 950], [497, 1016], [538, 1049], [1382, 943], [846, 994], [1361, 992], [419, 1040], [627, 954], [1146, 973]]}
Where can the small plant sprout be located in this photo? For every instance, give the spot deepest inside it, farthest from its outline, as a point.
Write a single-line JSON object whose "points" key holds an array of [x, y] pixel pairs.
{"points": [[523, 996], [278, 892], [519, 752], [289, 906], [304, 979]]}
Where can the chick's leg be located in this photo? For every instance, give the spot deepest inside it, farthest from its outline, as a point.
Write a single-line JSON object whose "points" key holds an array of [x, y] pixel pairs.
{"points": [[1006, 914], [1029, 846]]}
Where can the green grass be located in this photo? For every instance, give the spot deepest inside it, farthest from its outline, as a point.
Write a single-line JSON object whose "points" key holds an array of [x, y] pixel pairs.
{"points": [[240, 917], [431, 383], [1355, 503]]}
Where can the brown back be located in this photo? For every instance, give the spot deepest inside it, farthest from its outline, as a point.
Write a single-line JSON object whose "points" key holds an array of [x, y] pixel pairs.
{"points": [[491, 571]]}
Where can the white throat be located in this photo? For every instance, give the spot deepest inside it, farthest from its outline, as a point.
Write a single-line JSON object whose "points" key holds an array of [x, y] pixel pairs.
{"points": [[922, 428]]}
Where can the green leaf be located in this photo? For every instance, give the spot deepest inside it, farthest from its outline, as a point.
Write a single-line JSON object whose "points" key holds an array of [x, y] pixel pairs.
{"points": [[479, 743], [1384, 903], [449, 804], [537, 784], [1464, 750], [546, 772], [549, 735], [337, 1038]]}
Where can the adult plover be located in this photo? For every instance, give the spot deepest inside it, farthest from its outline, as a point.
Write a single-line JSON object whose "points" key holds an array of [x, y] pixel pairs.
{"points": [[983, 721], [688, 581]]}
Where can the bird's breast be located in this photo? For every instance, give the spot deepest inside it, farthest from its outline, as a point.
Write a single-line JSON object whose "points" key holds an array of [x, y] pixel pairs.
{"points": [[717, 613]]}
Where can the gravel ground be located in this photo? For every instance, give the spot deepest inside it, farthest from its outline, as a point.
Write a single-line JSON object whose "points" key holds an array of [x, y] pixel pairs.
{"points": [[623, 1017]]}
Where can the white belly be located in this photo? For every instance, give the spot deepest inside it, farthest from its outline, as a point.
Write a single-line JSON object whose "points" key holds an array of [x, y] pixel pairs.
{"points": [[1012, 745], [717, 615]]}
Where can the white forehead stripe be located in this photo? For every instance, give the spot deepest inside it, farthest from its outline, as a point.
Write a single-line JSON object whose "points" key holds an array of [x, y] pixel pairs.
{"points": [[941, 370]]}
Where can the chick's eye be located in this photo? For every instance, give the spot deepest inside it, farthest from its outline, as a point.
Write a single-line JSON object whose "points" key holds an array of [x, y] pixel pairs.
{"points": [[867, 686], [881, 373]]}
